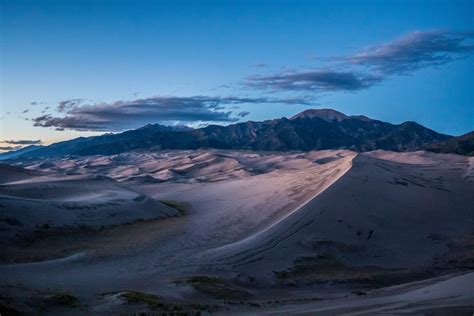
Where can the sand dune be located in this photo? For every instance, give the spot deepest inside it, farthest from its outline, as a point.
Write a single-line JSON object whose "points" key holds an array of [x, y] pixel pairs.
{"points": [[380, 213], [269, 230], [11, 174], [447, 295], [49, 203], [184, 166]]}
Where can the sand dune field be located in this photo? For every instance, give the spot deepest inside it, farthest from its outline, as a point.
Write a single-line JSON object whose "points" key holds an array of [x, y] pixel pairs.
{"points": [[220, 231]]}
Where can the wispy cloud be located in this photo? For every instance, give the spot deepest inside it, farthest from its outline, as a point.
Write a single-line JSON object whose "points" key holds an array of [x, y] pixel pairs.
{"points": [[372, 65], [243, 114], [9, 148], [22, 142], [314, 80], [37, 103], [414, 51], [122, 115], [66, 105]]}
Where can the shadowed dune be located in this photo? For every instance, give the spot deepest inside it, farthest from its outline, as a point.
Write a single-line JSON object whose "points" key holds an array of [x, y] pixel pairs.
{"points": [[67, 203], [11, 173]]}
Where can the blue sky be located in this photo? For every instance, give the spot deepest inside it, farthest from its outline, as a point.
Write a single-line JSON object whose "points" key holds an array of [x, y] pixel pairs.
{"points": [[128, 63]]}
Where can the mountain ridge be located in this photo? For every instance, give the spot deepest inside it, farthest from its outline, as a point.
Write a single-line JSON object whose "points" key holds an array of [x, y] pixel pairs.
{"points": [[461, 145], [313, 129]]}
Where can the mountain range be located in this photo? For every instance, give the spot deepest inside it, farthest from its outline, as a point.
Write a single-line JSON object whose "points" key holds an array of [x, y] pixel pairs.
{"points": [[313, 129]]}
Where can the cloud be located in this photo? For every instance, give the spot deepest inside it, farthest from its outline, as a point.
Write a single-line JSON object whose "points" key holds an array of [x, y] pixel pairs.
{"points": [[22, 142], [8, 148], [372, 65], [414, 51], [37, 103], [122, 115], [314, 80], [66, 105]]}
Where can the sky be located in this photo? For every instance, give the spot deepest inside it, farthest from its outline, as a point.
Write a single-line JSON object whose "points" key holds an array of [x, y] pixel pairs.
{"points": [[80, 68]]}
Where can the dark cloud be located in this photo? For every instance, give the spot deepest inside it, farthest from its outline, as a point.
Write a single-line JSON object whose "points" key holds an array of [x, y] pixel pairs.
{"points": [[10, 147], [372, 65], [122, 115], [37, 103], [315, 80], [66, 105], [243, 114], [22, 142], [414, 51]]}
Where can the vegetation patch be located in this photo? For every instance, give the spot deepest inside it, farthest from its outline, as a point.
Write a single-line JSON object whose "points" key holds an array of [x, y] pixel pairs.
{"points": [[460, 255], [11, 221], [140, 297], [216, 288], [157, 303], [181, 207], [327, 269], [61, 299]]}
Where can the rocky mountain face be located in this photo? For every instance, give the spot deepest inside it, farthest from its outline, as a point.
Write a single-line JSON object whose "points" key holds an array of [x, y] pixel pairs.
{"points": [[308, 130]]}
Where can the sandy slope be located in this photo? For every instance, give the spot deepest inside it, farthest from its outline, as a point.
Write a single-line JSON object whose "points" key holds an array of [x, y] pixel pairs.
{"points": [[447, 295], [380, 213], [42, 204], [272, 226], [11, 173], [182, 166]]}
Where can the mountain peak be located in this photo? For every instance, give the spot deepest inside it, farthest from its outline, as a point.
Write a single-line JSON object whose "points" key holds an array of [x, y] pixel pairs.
{"points": [[164, 128], [328, 115], [324, 114]]}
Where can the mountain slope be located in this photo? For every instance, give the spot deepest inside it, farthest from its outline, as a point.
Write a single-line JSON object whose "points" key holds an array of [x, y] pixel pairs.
{"points": [[16, 153], [461, 145], [309, 130], [106, 141]]}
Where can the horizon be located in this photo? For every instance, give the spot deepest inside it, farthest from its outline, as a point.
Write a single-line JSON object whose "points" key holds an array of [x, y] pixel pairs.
{"points": [[116, 66]]}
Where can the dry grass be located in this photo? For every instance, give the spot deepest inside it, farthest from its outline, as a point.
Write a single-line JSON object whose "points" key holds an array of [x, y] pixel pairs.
{"points": [[216, 288], [61, 299], [181, 207], [155, 302]]}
